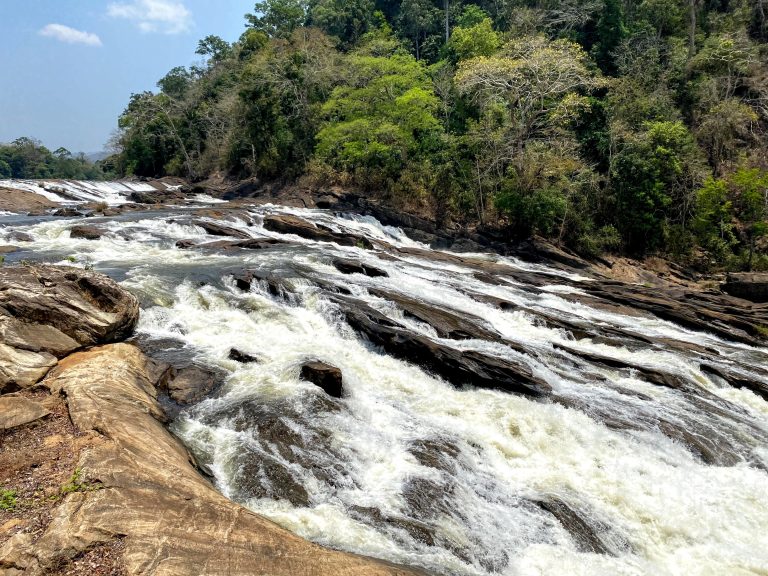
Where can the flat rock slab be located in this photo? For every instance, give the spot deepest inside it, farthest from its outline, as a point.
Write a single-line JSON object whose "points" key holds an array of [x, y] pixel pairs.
{"points": [[17, 411]]}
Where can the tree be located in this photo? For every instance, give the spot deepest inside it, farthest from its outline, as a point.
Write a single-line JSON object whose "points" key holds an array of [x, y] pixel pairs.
{"points": [[215, 48], [479, 39], [346, 20], [610, 33], [417, 19], [655, 176], [278, 18], [381, 119]]}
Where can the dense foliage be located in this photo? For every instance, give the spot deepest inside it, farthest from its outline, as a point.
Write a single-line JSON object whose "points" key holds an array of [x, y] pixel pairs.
{"points": [[28, 158], [635, 125]]}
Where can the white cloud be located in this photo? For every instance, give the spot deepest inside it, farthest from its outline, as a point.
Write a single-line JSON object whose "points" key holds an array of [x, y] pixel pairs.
{"points": [[166, 16], [70, 35]]}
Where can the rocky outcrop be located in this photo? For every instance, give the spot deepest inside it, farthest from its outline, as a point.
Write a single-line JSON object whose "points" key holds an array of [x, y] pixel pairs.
{"points": [[193, 384], [142, 488], [286, 224], [19, 201], [216, 229], [456, 366], [346, 266], [47, 312], [753, 287], [327, 377]]}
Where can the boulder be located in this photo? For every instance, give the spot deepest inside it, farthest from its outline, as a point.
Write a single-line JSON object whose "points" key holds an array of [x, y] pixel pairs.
{"points": [[69, 212], [171, 520], [86, 232], [753, 287], [18, 411], [193, 384], [47, 312], [346, 266], [327, 377], [241, 357], [158, 197], [16, 236]]}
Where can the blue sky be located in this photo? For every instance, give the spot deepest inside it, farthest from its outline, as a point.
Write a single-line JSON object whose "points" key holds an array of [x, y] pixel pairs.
{"points": [[68, 68]]}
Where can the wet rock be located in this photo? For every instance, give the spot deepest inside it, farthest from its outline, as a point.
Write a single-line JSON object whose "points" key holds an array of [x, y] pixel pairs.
{"points": [[193, 384], [275, 286], [419, 531], [47, 312], [225, 245], [69, 213], [241, 357], [262, 476], [456, 366], [447, 323], [759, 387], [327, 377], [153, 496], [18, 411], [16, 236], [346, 266], [186, 244], [435, 453], [750, 286], [86, 232], [588, 539], [216, 229], [9, 249], [285, 224], [157, 197]]}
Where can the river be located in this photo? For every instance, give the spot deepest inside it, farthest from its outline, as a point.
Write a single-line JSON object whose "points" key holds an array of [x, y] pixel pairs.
{"points": [[607, 473]]}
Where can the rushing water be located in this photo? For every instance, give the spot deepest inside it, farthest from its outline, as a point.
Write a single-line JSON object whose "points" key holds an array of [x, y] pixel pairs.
{"points": [[407, 467]]}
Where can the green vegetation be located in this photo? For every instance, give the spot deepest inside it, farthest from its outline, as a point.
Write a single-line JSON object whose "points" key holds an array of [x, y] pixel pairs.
{"points": [[635, 126], [7, 499], [77, 484], [28, 158]]}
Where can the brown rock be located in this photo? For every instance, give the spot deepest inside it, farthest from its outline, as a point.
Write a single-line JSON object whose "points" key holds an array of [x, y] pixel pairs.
{"points": [[753, 287], [47, 312], [172, 521], [18, 411], [327, 377], [193, 384], [86, 232]]}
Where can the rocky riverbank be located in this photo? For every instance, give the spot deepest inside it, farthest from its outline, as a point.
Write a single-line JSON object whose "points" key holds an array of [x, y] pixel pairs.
{"points": [[92, 480]]}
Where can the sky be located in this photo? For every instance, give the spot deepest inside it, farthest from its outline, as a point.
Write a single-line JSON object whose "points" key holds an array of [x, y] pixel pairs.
{"points": [[68, 67]]}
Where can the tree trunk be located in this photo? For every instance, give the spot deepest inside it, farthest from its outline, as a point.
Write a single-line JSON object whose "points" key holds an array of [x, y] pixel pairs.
{"points": [[447, 7], [692, 5]]}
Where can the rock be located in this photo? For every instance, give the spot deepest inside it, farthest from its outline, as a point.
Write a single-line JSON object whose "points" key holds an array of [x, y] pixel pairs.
{"points": [[186, 244], [69, 213], [241, 357], [749, 286], [86, 232], [18, 201], [285, 224], [47, 312], [9, 249], [588, 539], [346, 266], [193, 384], [215, 229], [171, 520], [459, 367], [16, 236], [447, 323], [275, 286], [158, 197], [327, 377], [17, 411]]}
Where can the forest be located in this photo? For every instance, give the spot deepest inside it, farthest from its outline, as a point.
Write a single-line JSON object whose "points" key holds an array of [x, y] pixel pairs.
{"points": [[632, 126], [27, 158]]}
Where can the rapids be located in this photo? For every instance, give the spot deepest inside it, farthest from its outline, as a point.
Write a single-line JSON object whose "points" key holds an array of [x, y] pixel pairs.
{"points": [[594, 479]]}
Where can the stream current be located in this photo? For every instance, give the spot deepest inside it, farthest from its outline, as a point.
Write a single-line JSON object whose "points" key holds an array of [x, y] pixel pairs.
{"points": [[409, 468]]}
